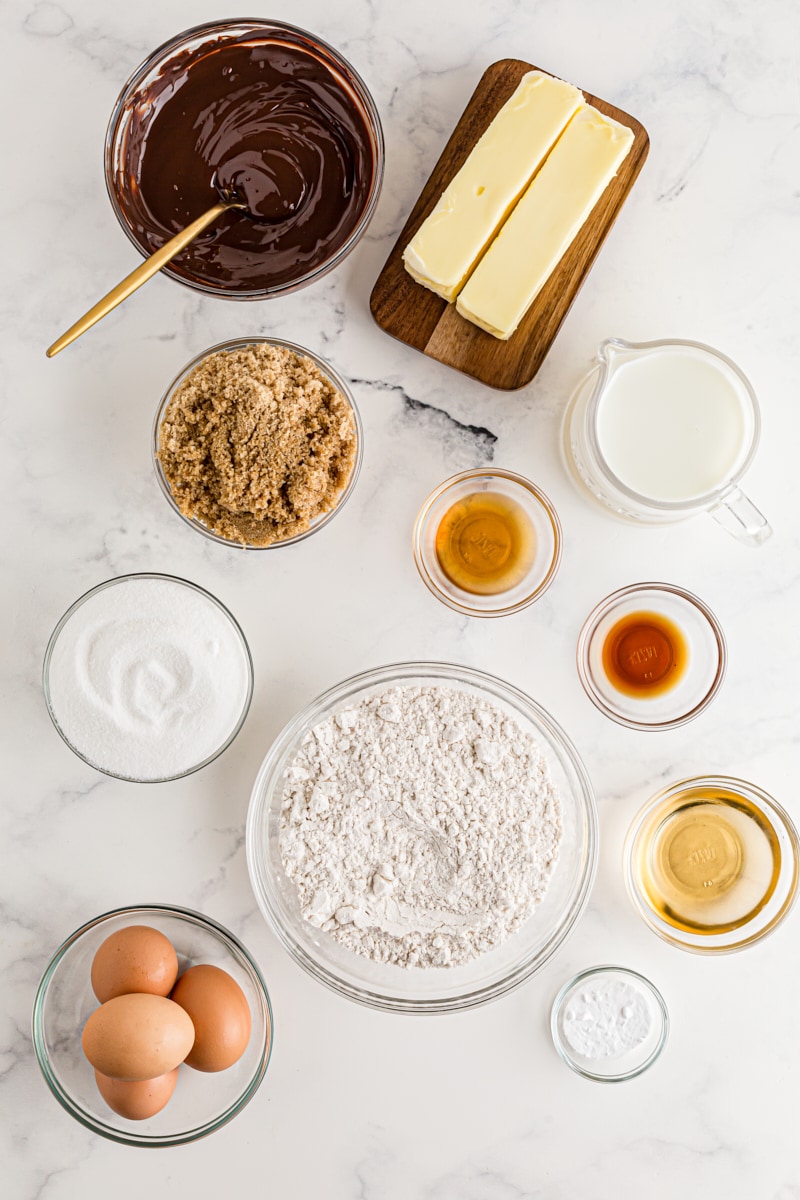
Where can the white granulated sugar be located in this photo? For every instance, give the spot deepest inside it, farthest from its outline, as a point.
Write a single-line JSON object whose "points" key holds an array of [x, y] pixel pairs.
{"points": [[605, 1018], [420, 826], [148, 678]]}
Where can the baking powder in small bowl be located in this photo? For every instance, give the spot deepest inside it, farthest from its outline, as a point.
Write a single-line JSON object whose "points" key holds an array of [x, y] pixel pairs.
{"points": [[148, 677], [609, 1024]]}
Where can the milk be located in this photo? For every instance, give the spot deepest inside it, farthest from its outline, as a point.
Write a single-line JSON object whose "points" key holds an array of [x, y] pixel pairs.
{"points": [[673, 423]]}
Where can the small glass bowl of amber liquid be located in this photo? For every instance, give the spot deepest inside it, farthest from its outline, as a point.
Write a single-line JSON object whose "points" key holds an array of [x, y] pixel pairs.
{"points": [[487, 543], [651, 656], [711, 864]]}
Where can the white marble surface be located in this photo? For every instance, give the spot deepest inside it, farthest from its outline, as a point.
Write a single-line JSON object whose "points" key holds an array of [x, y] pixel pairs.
{"points": [[358, 1103]]}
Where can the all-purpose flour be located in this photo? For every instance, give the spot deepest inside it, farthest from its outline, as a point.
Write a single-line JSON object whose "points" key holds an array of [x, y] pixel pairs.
{"points": [[419, 826], [148, 678]]}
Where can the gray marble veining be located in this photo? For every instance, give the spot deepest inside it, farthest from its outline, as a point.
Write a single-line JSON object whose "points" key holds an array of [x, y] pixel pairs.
{"points": [[358, 1104]]}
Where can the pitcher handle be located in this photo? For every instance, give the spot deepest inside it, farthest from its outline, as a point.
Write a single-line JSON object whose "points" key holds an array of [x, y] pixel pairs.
{"points": [[741, 518]]}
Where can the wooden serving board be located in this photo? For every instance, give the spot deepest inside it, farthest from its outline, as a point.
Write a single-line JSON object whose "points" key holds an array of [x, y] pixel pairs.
{"points": [[413, 314]]}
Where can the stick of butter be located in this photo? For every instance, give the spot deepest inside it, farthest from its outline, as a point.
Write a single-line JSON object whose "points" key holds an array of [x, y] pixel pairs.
{"points": [[479, 197], [527, 249]]}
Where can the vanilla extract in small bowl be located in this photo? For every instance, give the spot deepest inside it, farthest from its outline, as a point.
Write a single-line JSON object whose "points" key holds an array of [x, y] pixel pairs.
{"points": [[645, 654], [651, 656], [487, 543]]}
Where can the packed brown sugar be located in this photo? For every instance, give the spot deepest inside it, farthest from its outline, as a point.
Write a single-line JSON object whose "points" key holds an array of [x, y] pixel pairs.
{"points": [[257, 443]]}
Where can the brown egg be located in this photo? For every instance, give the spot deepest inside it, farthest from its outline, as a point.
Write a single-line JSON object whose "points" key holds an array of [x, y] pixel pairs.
{"points": [[220, 1015], [140, 1100], [137, 1037], [134, 959]]}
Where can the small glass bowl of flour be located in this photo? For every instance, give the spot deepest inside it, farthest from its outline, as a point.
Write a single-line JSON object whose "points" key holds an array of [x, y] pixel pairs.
{"points": [[148, 678], [609, 1024]]}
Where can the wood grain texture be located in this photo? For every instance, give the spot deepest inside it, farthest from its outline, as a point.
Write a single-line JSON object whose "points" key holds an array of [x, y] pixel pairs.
{"points": [[420, 318]]}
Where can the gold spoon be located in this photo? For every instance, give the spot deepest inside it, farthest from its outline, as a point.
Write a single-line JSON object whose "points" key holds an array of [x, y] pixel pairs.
{"points": [[148, 268]]}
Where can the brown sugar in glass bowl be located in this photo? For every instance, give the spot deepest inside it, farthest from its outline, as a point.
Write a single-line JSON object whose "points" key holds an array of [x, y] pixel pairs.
{"points": [[257, 443], [262, 111]]}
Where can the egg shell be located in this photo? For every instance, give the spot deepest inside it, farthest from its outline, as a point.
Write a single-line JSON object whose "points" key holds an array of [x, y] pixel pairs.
{"points": [[137, 1101], [134, 959], [220, 1014], [137, 1036]]}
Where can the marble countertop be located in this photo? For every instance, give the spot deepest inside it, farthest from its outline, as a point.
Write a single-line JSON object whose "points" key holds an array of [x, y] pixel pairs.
{"points": [[358, 1103]]}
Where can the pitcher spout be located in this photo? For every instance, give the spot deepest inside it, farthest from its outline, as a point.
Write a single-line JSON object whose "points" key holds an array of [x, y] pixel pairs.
{"points": [[614, 348]]}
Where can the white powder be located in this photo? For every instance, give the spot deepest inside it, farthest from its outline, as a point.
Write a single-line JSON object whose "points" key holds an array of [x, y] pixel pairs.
{"points": [[148, 678], [419, 826], [605, 1018]]}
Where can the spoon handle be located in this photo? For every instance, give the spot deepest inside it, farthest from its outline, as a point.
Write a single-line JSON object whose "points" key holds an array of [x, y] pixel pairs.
{"points": [[136, 278]]}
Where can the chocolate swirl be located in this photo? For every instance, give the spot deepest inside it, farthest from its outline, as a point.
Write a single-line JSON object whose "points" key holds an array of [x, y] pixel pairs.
{"points": [[269, 123]]}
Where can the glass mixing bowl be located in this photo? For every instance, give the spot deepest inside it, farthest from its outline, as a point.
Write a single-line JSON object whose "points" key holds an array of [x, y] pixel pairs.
{"points": [[327, 370], [632, 1061], [108, 768], [202, 1102], [705, 653], [432, 989], [712, 887], [494, 484], [133, 112]]}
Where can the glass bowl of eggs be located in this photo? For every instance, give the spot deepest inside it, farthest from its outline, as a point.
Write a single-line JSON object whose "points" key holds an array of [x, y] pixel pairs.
{"points": [[152, 1025]]}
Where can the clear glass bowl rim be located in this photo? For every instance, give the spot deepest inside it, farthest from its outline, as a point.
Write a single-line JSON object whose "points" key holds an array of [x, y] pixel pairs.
{"points": [[335, 378], [231, 943], [734, 784], [584, 642], [454, 673], [561, 1049], [258, 25], [475, 473], [603, 366], [99, 587]]}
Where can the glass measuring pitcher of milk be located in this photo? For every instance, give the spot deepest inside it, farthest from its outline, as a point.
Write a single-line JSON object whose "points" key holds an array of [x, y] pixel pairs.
{"points": [[659, 431]]}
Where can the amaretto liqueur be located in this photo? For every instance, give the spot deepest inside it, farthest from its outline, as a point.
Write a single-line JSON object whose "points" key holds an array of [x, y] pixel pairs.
{"points": [[707, 859]]}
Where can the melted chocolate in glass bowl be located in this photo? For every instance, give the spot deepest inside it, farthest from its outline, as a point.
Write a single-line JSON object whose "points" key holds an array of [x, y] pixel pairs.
{"points": [[262, 122]]}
